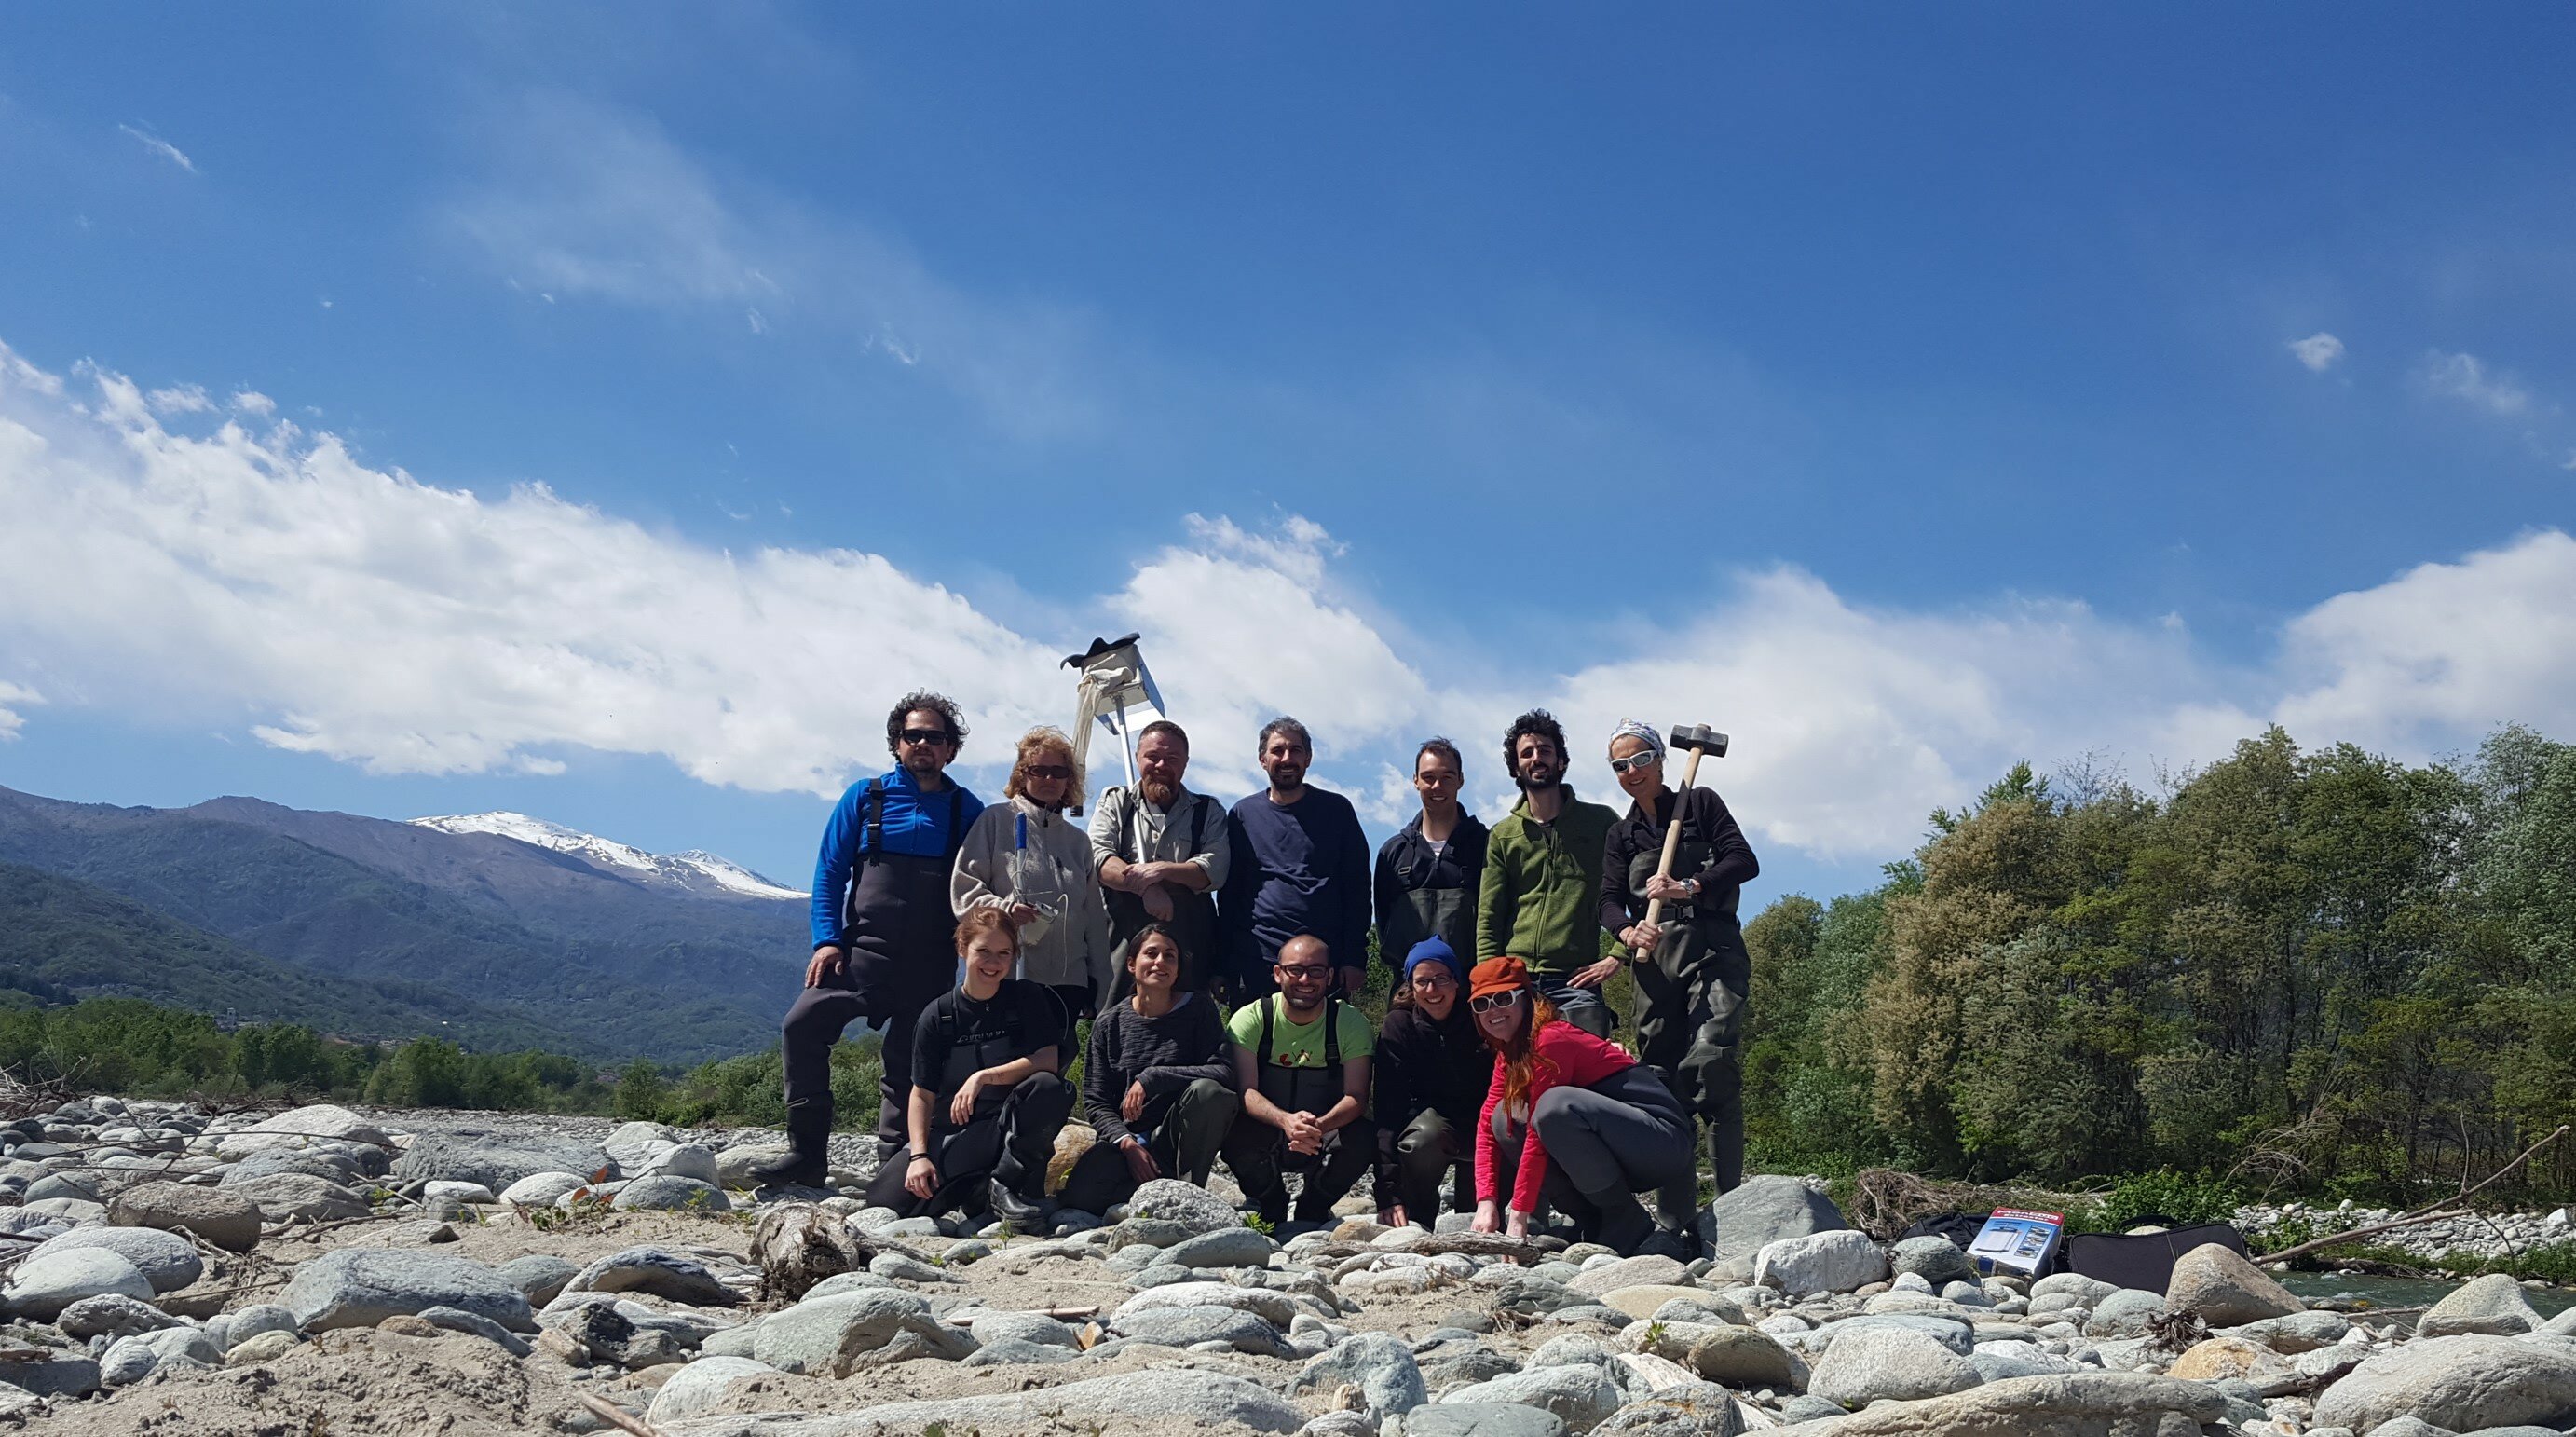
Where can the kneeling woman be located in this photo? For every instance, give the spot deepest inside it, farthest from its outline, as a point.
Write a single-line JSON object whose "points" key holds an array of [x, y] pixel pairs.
{"points": [[986, 1101], [1433, 1068], [1572, 1117], [1157, 1082]]}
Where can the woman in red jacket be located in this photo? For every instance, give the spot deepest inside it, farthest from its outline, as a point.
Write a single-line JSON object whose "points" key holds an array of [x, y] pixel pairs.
{"points": [[1577, 1121]]}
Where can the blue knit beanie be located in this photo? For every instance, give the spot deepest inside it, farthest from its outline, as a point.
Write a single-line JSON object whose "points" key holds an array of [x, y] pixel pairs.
{"points": [[1433, 950]]}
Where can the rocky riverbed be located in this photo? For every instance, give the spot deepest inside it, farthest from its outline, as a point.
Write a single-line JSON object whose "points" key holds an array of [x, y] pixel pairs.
{"points": [[2457, 1241], [328, 1271]]}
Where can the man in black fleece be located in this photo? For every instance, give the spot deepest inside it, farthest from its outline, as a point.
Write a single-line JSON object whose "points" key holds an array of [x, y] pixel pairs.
{"points": [[1157, 1082]]}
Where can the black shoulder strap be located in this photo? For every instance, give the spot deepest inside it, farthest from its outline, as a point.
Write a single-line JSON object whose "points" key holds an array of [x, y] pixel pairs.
{"points": [[1264, 1058], [1332, 1034], [875, 842], [1198, 826]]}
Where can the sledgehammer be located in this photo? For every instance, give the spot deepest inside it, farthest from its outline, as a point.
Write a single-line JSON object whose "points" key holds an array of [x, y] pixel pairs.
{"points": [[1699, 739]]}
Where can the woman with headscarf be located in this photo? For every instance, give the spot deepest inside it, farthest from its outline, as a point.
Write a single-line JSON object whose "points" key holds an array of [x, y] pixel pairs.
{"points": [[1691, 968], [1023, 858], [1432, 1071], [1570, 1118]]}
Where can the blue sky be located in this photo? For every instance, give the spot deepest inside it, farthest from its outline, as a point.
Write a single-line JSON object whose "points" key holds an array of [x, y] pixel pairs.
{"points": [[638, 398]]}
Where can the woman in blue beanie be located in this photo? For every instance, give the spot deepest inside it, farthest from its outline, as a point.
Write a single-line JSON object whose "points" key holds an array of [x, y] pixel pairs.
{"points": [[1432, 1072]]}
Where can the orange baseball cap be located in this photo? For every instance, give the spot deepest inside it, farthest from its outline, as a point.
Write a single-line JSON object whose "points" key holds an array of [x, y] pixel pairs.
{"points": [[1497, 975]]}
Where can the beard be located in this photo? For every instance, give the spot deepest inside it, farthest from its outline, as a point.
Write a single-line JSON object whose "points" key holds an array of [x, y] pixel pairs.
{"points": [[1537, 777], [1158, 793]]}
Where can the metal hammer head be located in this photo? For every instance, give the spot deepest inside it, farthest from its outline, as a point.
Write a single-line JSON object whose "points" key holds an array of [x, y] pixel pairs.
{"points": [[1698, 738]]}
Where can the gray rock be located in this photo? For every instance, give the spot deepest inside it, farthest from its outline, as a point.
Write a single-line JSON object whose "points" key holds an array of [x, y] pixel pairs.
{"points": [[631, 1143], [1476, 1364], [835, 1336], [456, 1319], [1530, 1295], [1188, 1206], [2563, 1325], [1697, 1409], [2298, 1332], [2085, 1290], [1572, 1349], [165, 1259], [1182, 1326], [1483, 1419], [1822, 1262], [1015, 1351], [1807, 1409], [2221, 1288], [2124, 1313], [131, 1359], [1959, 1337], [1214, 1400], [540, 1276], [1279, 1309], [2491, 1306], [1934, 1259], [1389, 1379], [2076, 1404], [1999, 1361], [657, 1271], [1339, 1423], [700, 1388], [43, 1285], [542, 1189], [2462, 1383], [1582, 1396], [330, 1167], [229, 1330], [668, 1192], [280, 1196], [1862, 1367], [1743, 1357], [1763, 1210], [48, 1371], [360, 1287], [1033, 1327], [840, 1283], [1225, 1247], [229, 1220], [112, 1315], [496, 1161], [901, 1267]]}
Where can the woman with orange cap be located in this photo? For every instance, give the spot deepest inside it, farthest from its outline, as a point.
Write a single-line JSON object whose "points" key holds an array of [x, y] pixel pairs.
{"points": [[1573, 1117]]}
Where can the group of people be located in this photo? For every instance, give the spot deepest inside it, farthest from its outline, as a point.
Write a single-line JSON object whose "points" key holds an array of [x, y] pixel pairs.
{"points": [[1216, 952]]}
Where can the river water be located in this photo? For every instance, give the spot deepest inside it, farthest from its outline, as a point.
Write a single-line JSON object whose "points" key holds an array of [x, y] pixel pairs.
{"points": [[2405, 1292]]}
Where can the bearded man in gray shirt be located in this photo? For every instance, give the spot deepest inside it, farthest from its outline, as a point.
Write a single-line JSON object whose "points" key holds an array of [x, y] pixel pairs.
{"points": [[1161, 850]]}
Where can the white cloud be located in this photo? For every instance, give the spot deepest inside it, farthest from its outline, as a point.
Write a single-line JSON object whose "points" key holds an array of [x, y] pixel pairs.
{"points": [[12, 698], [592, 201], [161, 147], [2318, 351], [180, 399], [2465, 377], [269, 582]]}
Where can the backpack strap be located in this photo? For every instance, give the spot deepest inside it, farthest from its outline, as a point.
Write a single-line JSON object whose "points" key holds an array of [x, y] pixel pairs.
{"points": [[874, 843], [1198, 825], [1264, 1060], [1332, 1034]]}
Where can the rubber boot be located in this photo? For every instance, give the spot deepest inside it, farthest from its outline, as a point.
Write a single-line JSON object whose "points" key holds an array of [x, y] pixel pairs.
{"points": [[1019, 1192], [807, 1161], [1623, 1224]]}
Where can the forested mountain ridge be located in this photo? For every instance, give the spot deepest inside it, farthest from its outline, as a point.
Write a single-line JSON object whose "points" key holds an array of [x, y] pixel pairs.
{"points": [[591, 961], [2324, 968]]}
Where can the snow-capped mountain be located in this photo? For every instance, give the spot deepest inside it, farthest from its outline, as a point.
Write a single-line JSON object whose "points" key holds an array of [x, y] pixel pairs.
{"points": [[694, 869]]}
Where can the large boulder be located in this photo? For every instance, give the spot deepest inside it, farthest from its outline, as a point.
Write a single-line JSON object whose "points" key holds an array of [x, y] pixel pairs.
{"points": [[165, 1259], [1191, 1207], [1483, 1419], [632, 1143], [1216, 1401], [1276, 1308], [1746, 1358], [227, 1219], [2216, 1284], [835, 1336], [657, 1271], [1609, 1277], [1763, 1210], [1822, 1262], [2489, 1306], [495, 1160], [2217, 1359], [1236, 1246], [360, 1287], [1185, 1326], [701, 1387], [2462, 1383], [281, 1196], [44, 1284], [47, 1371], [323, 1125], [112, 1315], [1889, 1362], [669, 1192], [542, 1189], [1935, 1259], [131, 1359], [2075, 1404], [1582, 1396], [1380, 1364]]}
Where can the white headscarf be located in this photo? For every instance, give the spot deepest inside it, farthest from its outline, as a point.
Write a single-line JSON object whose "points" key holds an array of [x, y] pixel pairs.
{"points": [[1630, 728]]}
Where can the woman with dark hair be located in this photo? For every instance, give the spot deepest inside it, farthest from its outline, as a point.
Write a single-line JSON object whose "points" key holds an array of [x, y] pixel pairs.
{"points": [[1574, 1118], [1024, 858], [1157, 1082], [1432, 1070], [986, 1101]]}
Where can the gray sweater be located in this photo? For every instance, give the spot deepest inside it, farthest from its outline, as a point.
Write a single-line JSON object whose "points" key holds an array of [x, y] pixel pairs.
{"points": [[1166, 1054], [1056, 871]]}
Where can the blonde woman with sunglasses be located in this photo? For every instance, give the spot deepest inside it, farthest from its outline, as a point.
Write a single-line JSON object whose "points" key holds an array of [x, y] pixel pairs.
{"points": [[1024, 858]]}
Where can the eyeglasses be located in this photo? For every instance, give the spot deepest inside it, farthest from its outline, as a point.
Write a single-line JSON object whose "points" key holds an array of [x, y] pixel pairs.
{"points": [[1636, 761], [1430, 977], [1049, 770], [922, 736], [1303, 973], [1491, 1001]]}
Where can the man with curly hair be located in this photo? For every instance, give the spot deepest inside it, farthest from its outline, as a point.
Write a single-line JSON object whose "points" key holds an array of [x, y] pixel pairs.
{"points": [[1542, 879], [883, 928]]}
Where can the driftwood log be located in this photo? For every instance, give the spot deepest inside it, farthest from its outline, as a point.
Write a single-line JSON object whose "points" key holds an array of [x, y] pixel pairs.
{"points": [[799, 1244], [1523, 1250]]}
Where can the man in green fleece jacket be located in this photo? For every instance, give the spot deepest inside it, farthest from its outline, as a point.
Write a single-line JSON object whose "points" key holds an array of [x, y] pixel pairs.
{"points": [[1543, 878]]}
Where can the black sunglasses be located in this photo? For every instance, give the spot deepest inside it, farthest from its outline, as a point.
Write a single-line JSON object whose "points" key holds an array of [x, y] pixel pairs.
{"points": [[1300, 970], [927, 736], [1491, 1001], [1049, 770]]}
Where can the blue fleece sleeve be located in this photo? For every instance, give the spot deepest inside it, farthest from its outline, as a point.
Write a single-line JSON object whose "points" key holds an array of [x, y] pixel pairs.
{"points": [[833, 864]]}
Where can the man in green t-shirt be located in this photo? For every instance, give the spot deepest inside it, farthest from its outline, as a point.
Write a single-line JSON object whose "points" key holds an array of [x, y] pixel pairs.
{"points": [[1301, 1060]]}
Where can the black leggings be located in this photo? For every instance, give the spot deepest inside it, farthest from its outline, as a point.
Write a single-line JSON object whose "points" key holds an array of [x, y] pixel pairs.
{"points": [[1010, 1147], [1625, 1133]]}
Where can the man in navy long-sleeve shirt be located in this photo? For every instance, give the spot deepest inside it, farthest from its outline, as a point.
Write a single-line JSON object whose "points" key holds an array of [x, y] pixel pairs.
{"points": [[1299, 865], [883, 930]]}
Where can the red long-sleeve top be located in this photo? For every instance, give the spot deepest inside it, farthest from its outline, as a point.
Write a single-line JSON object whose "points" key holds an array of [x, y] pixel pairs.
{"points": [[1565, 1054]]}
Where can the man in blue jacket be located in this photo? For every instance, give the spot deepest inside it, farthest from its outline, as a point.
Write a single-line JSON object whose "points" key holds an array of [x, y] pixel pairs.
{"points": [[883, 929]]}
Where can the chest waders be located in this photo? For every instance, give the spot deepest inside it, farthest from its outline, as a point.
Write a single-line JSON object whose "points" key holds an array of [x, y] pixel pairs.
{"points": [[1302, 1089], [1448, 914], [1193, 919], [902, 949], [1690, 1017]]}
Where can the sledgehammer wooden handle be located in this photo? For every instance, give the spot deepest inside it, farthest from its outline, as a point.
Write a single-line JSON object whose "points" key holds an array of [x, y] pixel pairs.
{"points": [[1673, 833]]}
